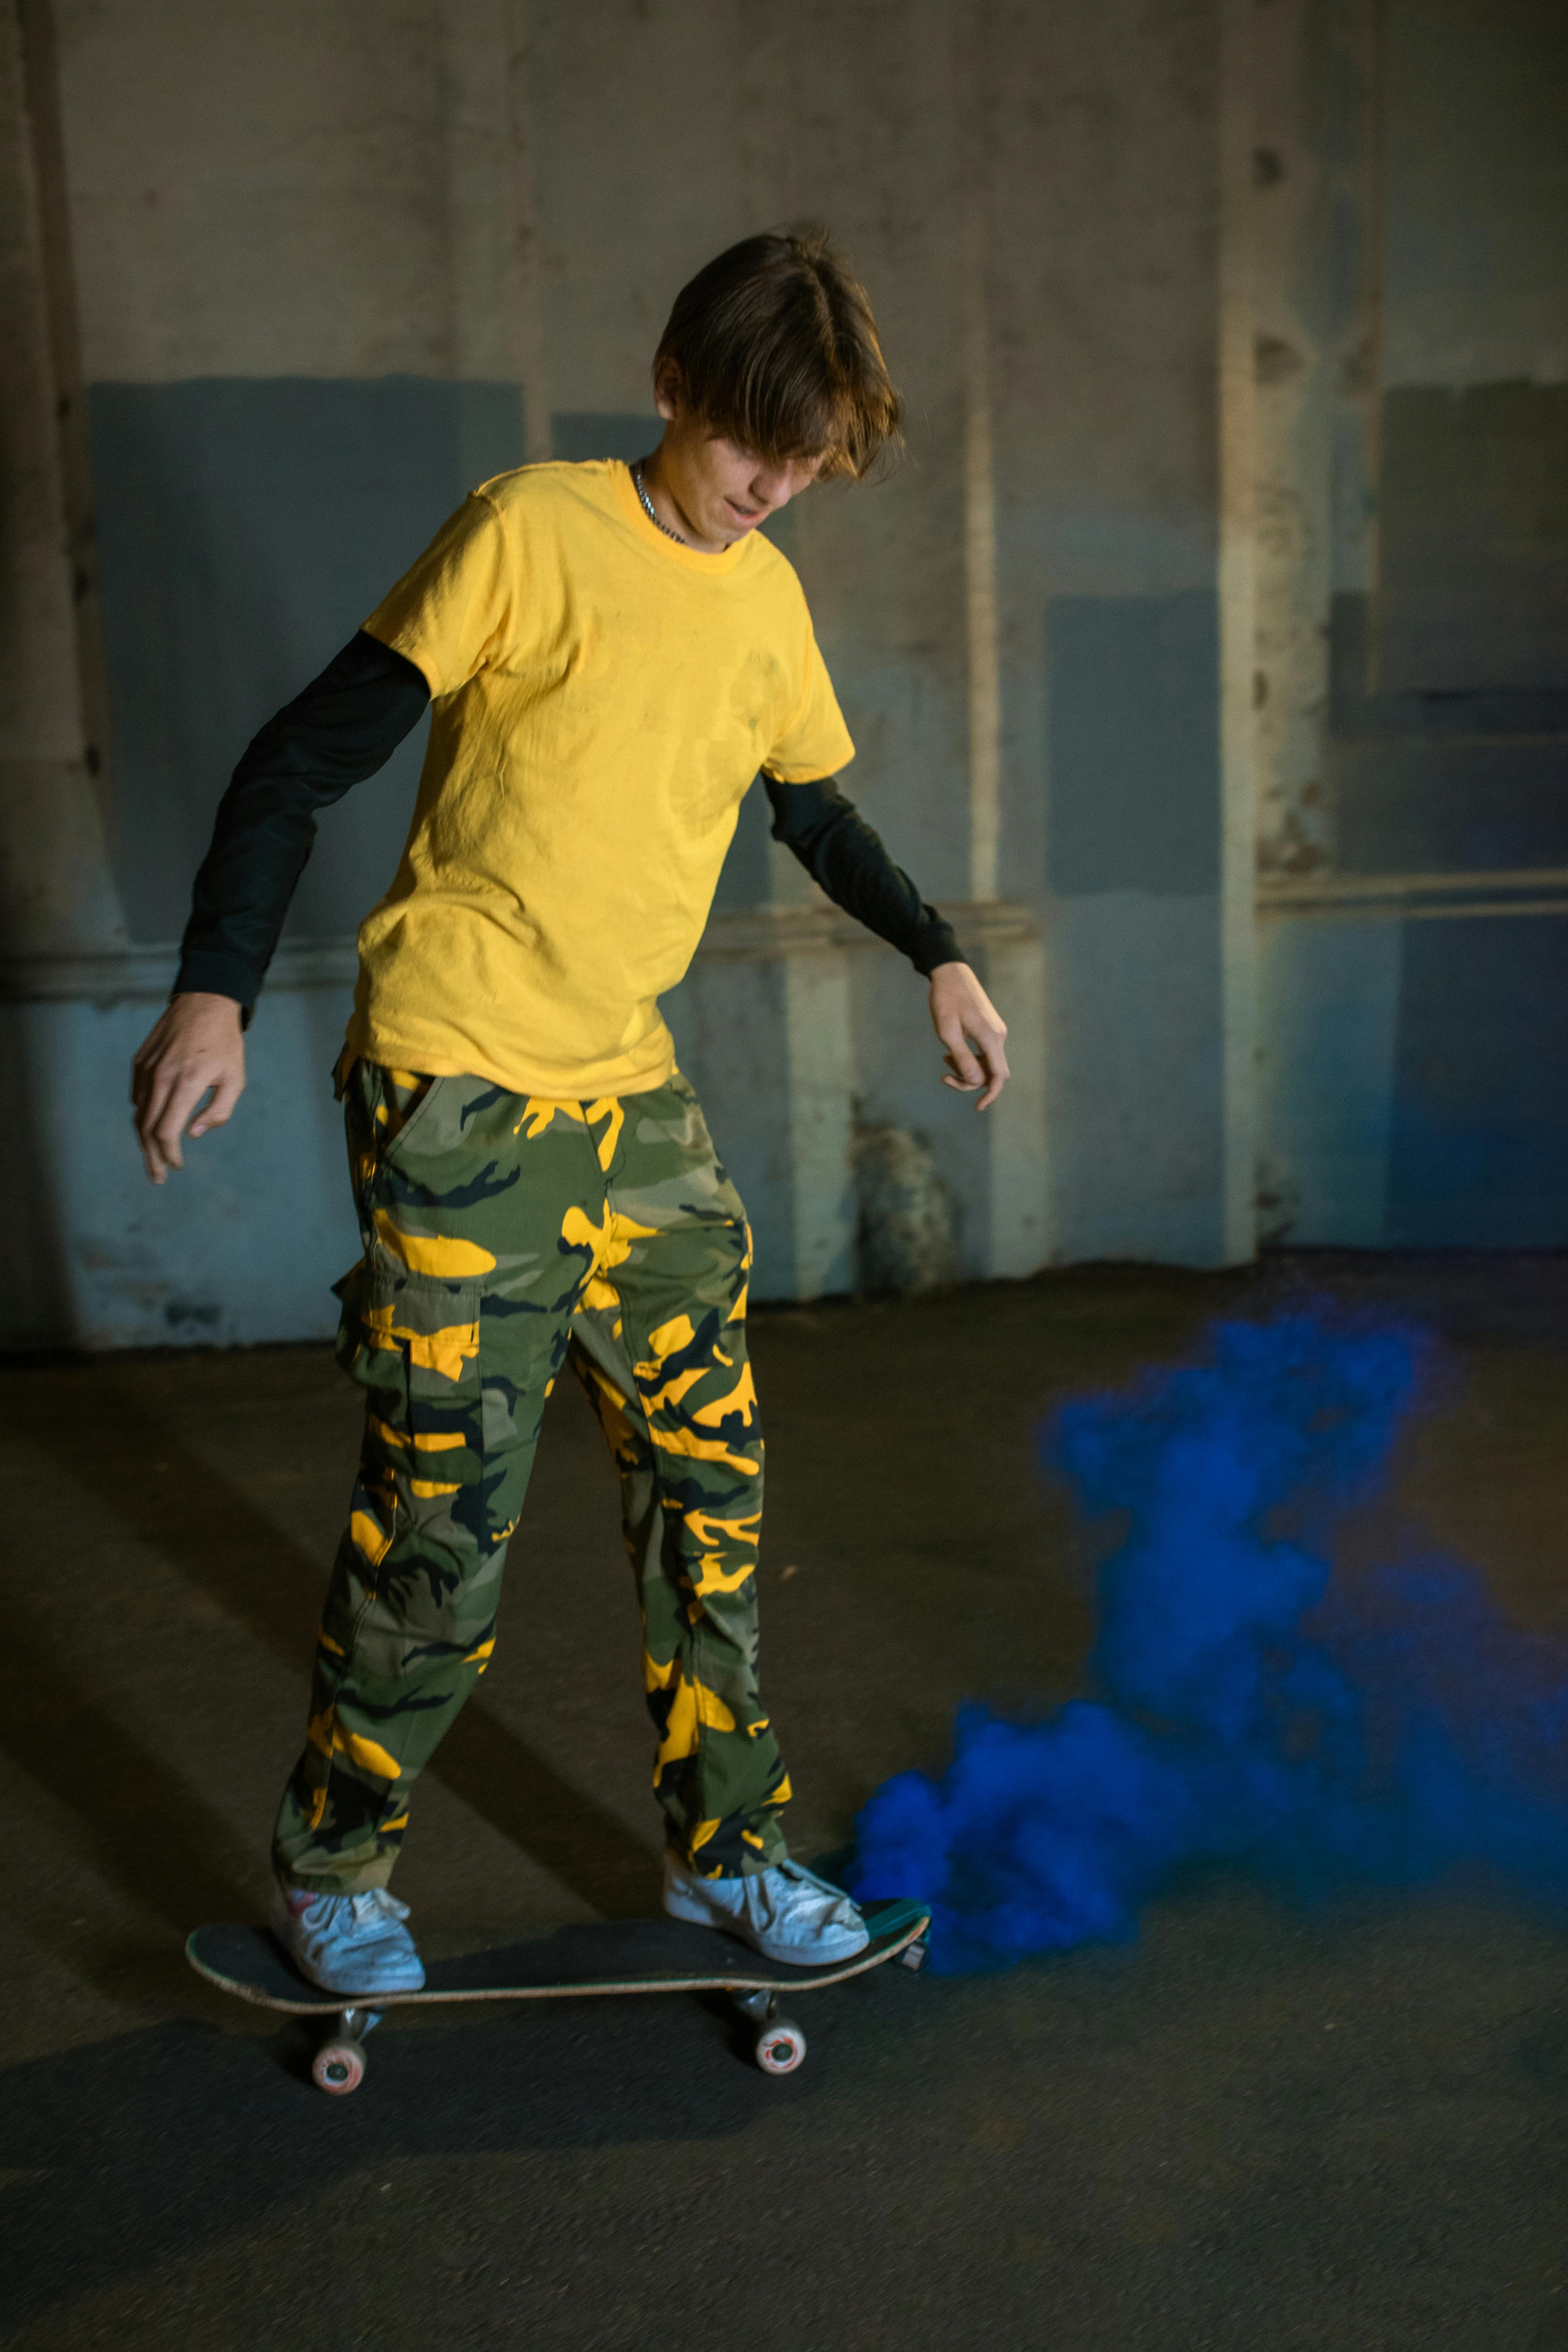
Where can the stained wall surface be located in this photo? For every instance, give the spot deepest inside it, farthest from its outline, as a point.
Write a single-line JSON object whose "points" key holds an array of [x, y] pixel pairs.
{"points": [[1414, 964], [335, 264], [1234, 343]]}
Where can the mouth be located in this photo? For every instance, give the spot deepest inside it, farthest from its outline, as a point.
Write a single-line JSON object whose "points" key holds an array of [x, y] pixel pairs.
{"points": [[747, 515]]}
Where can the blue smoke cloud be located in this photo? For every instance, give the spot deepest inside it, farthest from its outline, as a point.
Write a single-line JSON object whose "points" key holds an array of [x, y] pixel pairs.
{"points": [[1245, 1703]]}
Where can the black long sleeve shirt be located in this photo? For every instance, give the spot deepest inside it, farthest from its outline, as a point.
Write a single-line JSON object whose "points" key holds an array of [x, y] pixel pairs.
{"points": [[348, 722]]}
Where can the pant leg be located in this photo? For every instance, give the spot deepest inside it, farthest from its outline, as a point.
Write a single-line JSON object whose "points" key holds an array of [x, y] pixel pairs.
{"points": [[454, 1324], [659, 1341]]}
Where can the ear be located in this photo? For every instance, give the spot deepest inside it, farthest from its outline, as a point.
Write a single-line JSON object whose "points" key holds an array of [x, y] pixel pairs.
{"points": [[667, 392]]}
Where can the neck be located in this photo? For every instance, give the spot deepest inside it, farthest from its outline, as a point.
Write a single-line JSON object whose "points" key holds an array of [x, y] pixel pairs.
{"points": [[659, 478]]}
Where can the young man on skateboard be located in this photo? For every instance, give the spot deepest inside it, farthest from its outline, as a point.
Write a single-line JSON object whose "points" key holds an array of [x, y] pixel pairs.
{"points": [[610, 654]]}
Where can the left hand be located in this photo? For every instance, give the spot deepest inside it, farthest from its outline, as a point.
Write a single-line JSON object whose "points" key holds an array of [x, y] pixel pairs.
{"points": [[973, 1032]]}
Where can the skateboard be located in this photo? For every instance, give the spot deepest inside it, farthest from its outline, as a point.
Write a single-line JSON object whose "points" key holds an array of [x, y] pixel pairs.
{"points": [[595, 1957]]}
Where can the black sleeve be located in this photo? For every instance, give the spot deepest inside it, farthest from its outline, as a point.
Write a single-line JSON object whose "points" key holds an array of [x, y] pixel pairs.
{"points": [[347, 723], [840, 852]]}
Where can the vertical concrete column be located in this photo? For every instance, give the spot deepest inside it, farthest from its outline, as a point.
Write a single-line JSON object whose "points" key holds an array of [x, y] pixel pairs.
{"points": [[1312, 222], [1238, 589], [1014, 970], [475, 52], [821, 1061], [499, 329], [1292, 437], [525, 289], [819, 1048], [819, 1043], [1329, 996], [1012, 958], [57, 896], [980, 555], [56, 893]]}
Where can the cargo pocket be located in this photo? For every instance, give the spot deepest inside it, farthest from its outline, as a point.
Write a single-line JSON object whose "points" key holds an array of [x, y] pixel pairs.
{"points": [[412, 1342]]}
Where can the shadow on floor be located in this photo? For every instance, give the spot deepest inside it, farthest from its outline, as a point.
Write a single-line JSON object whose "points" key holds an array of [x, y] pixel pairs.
{"points": [[129, 2157], [212, 1532], [128, 1800]]}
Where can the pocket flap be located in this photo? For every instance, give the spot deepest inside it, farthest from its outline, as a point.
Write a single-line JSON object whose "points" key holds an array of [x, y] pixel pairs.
{"points": [[433, 1321]]}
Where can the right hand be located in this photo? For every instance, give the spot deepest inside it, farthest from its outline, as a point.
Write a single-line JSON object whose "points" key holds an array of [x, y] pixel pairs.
{"points": [[189, 1072]]}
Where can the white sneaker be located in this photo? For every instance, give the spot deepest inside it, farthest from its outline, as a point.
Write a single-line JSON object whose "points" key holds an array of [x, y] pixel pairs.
{"points": [[785, 1913], [348, 1943]]}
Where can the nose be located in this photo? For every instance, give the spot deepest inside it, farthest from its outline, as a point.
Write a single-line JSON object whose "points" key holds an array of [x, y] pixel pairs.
{"points": [[773, 485]]}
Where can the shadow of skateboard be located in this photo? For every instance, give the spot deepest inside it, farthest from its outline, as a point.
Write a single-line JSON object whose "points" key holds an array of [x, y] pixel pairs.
{"points": [[592, 1957]]}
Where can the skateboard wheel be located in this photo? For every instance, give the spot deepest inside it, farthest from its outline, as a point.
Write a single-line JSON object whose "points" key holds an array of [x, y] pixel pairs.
{"points": [[915, 1955], [781, 2047], [338, 2067]]}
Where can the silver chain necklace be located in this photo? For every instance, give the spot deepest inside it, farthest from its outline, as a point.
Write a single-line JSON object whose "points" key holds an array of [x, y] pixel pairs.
{"points": [[647, 506]]}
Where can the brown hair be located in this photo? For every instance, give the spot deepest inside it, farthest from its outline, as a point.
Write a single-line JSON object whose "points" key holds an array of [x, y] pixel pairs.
{"points": [[775, 348]]}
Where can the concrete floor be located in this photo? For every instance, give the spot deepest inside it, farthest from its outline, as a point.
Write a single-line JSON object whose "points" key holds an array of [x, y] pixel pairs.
{"points": [[1250, 2129]]}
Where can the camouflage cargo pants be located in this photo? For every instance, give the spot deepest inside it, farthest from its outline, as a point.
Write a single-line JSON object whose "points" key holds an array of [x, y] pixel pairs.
{"points": [[504, 1236]]}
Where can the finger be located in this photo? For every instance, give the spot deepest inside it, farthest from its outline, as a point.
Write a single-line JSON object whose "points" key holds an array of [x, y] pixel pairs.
{"points": [[158, 1084], [152, 1158], [998, 1072], [959, 1059], [149, 1085], [170, 1125], [145, 1058], [143, 1070], [220, 1110], [152, 1088]]}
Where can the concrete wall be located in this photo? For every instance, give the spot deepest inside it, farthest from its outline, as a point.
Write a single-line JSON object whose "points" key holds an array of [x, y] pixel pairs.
{"points": [[1412, 224], [331, 264], [1206, 656]]}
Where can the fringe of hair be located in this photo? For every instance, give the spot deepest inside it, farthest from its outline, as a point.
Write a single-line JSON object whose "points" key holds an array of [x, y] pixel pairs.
{"points": [[775, 348]]}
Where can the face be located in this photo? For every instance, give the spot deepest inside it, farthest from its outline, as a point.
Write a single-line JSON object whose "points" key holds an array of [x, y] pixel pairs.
{"points": [[724, 490]]}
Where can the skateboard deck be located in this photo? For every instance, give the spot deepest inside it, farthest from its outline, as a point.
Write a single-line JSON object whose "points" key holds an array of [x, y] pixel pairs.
{"points": [[594, 1957]]}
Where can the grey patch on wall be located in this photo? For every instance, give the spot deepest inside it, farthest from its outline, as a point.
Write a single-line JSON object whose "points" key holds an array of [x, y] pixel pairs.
{"points": [[1475, 231], [1478, 1142], [1450, 779], [1363, 709], [247, 527], [1132, 731], [1421, 807], [577, 434], [908, 1217], [1474, 538]]}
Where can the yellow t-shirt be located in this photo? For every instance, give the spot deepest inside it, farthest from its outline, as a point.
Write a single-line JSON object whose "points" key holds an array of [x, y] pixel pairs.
{"points": [[602, 699]]}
